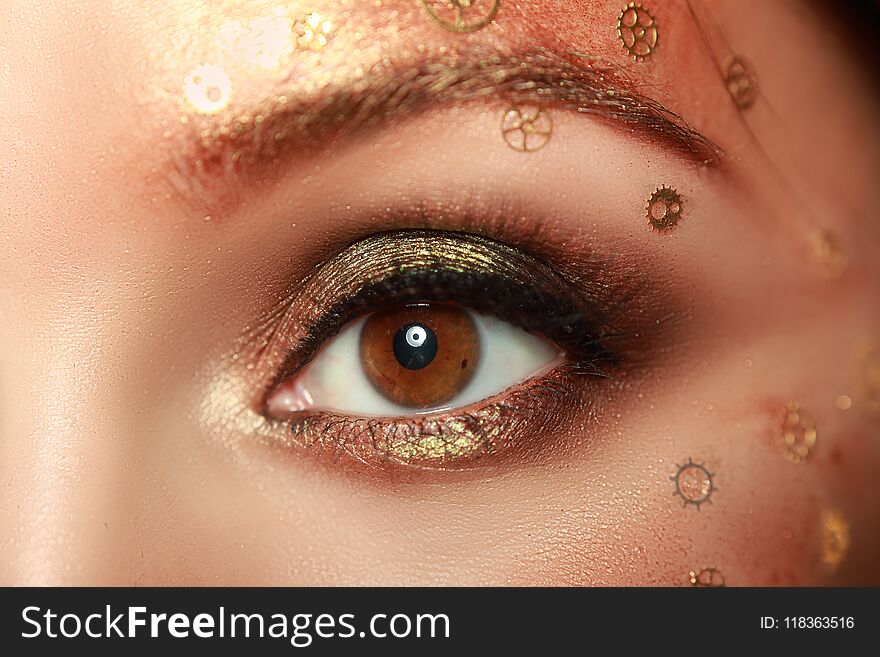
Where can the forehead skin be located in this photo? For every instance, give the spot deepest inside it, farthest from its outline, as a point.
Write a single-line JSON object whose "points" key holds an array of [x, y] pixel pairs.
{"points": [[109, 292]]}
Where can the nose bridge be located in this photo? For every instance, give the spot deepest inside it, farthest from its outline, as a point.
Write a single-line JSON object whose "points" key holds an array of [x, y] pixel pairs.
{"points": [[65, 465]]}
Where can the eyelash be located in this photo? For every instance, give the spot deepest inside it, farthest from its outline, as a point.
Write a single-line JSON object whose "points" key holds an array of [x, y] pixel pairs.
{"points": [[458, 438]]}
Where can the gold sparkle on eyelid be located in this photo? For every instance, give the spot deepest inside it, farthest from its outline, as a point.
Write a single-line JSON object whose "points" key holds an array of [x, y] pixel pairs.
{"points": [[741, 82], [799, 433], [693, 483], [526, 128], [435, 444], [462, 15], [664, 209], [828, 253], [637, 31], [708, 576], [834, 540]]}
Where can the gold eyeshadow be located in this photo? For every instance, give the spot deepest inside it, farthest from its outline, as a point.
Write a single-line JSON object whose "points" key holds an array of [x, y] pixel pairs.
{"points": [[456, 440]]}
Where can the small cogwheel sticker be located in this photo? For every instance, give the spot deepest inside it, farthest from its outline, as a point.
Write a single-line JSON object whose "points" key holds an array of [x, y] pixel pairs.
{"points": [[664, 209], [526, 128], [693, 483], [708, 577], [462, 15], [741, 82]]}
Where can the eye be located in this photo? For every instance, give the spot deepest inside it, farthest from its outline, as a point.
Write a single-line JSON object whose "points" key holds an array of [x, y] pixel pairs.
{"points": [[434, 349], [415, 359]]}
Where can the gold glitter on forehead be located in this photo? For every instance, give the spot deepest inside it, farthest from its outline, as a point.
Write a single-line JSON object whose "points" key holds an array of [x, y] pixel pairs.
{"points": [[462, 15], [834, 540], [234, 47], [799, 433], [313, 31]]}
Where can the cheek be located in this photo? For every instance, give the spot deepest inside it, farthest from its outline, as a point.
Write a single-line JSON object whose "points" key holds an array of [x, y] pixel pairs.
{"points": [[768, 520]]}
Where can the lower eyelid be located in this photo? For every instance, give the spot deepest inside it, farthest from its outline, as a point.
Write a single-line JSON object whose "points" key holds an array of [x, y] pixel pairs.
{"points": [[525, 419]]}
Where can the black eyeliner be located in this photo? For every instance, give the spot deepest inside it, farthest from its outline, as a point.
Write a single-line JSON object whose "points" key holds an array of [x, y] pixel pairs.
{"points": [[410, 266]]}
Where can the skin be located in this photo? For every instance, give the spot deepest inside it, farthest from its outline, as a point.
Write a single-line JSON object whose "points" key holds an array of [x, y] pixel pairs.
{"points": [[127, 437]]}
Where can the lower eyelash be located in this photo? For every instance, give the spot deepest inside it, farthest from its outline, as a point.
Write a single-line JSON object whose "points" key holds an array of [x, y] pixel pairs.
{"points": [[458, 439]]}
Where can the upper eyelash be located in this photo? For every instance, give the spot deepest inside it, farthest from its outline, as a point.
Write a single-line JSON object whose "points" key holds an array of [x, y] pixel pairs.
{"points": [[546, 304]]}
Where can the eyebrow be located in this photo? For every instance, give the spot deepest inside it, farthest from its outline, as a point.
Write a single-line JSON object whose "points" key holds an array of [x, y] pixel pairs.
{"points": [[291, 124]]}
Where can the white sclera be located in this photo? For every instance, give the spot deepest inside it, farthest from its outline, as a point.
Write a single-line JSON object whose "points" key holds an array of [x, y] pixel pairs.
{"points": [[336, 382]]}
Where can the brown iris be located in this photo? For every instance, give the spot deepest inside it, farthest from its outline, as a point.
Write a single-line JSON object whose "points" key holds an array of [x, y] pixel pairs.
{"points": [[422, 355]]}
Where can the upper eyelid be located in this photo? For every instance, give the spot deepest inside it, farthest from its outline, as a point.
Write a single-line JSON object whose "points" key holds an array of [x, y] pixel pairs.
{"points": [[567, 307]]}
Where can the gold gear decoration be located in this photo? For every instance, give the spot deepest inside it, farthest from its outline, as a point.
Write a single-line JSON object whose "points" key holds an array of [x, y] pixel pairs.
{"points": [[693, 483], [708, 577], [664, 208], [526, 128], [637, 31], [741, 82], [462, 15]]}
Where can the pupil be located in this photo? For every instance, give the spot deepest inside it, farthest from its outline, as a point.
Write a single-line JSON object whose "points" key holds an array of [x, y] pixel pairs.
{"points": [[415, 346]]}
